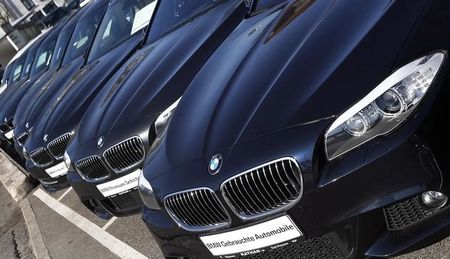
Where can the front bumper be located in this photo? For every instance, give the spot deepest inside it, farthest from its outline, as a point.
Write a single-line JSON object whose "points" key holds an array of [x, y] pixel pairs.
{"points": [[50, 184]]}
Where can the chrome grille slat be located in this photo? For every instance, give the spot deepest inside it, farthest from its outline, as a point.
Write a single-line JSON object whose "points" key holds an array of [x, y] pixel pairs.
{"points": [[92, 168], [58, 146], [192, 212], [265, 189], [288, 181], [40, 157], [280, 200], [202, 207], [246, 203], [210, 205], [255, 198], [196, 210], [284, 184], [277, 185], [125, 155], [259, 190]]}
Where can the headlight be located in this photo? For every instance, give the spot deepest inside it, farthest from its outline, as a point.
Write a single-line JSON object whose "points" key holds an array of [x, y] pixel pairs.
{"points": [[161, 123], [146, 192], [67, 161], [385, 108], [164, 118], [24, 152]]}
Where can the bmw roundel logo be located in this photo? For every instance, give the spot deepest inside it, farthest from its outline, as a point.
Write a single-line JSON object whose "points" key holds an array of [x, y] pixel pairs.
{"points": [[45, 137], [100, 142], [215, 164]]}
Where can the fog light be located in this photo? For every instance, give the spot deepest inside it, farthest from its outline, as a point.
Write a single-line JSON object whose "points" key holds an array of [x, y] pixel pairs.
{"points": [[434, 199]]}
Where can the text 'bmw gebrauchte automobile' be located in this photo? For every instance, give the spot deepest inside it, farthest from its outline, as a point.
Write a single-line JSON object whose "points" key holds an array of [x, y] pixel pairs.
{"points": [[316, 130]]}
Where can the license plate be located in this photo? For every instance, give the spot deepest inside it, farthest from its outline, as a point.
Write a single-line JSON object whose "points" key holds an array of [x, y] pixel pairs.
{"points": [[57, 170], [120, 185], [259, 236], [9, 134]]}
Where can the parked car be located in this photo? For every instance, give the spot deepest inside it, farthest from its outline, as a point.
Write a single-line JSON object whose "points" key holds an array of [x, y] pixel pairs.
{"points": [[37, 65], [41, 92], [316, 130], [119, 35], [115, 133], [21, 76], [73, 61], [9, 68]]}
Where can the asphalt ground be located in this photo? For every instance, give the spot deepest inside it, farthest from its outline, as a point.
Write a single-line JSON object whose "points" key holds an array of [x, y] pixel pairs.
{"points": [[67, 229]]}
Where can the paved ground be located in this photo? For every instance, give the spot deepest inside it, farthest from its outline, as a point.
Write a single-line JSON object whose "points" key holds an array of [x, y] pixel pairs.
{"points": [[14, 241], [82, 229]]}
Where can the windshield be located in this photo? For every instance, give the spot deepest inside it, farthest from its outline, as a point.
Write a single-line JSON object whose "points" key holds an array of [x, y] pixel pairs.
{"points": [[61, 45], [28, 63], [43, 55], [172, 13], [122, 19], [83, 35]]}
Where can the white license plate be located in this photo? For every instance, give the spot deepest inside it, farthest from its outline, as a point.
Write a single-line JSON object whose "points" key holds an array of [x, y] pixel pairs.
{"points": [[57, 170], [9, 134], [262, 235], [120, 185]]}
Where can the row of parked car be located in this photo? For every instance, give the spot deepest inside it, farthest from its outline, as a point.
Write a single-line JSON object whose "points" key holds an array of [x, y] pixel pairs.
{"points": [[256, 128]]}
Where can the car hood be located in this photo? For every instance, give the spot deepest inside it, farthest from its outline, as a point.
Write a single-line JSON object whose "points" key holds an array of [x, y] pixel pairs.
{"points": [[68, 106], [35, 102], [11, 102], [158, 74], [312, 62]]}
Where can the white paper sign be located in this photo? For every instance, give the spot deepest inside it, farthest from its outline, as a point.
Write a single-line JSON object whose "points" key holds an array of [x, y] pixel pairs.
{"points": [[9, 134], [142, 17], [57, 170], [120, 185], [262, 235]]}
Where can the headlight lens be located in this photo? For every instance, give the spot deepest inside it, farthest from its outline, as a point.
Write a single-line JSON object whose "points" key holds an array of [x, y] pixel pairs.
{"points": [[163, 119], [147, 195], [67, 160], [385, 108], [24, 152]]}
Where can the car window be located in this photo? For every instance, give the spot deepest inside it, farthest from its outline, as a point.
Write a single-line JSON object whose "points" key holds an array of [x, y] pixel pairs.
{"points": [[61, 45], [173, 13], [17, 69], [28, 63], [43, 55], [119, 23], [82, 36]]}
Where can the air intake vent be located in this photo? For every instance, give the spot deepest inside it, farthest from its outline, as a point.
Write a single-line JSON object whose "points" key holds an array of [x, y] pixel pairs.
{"points": [[92, 168], [406, 213], [124, 202], [58, 146], [125, 154], [265, 189], [314, 248], [197, 210], [41, 157]]}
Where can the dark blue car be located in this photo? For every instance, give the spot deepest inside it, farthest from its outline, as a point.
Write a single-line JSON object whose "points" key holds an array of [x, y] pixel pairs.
{"points": [[316, 130]]}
